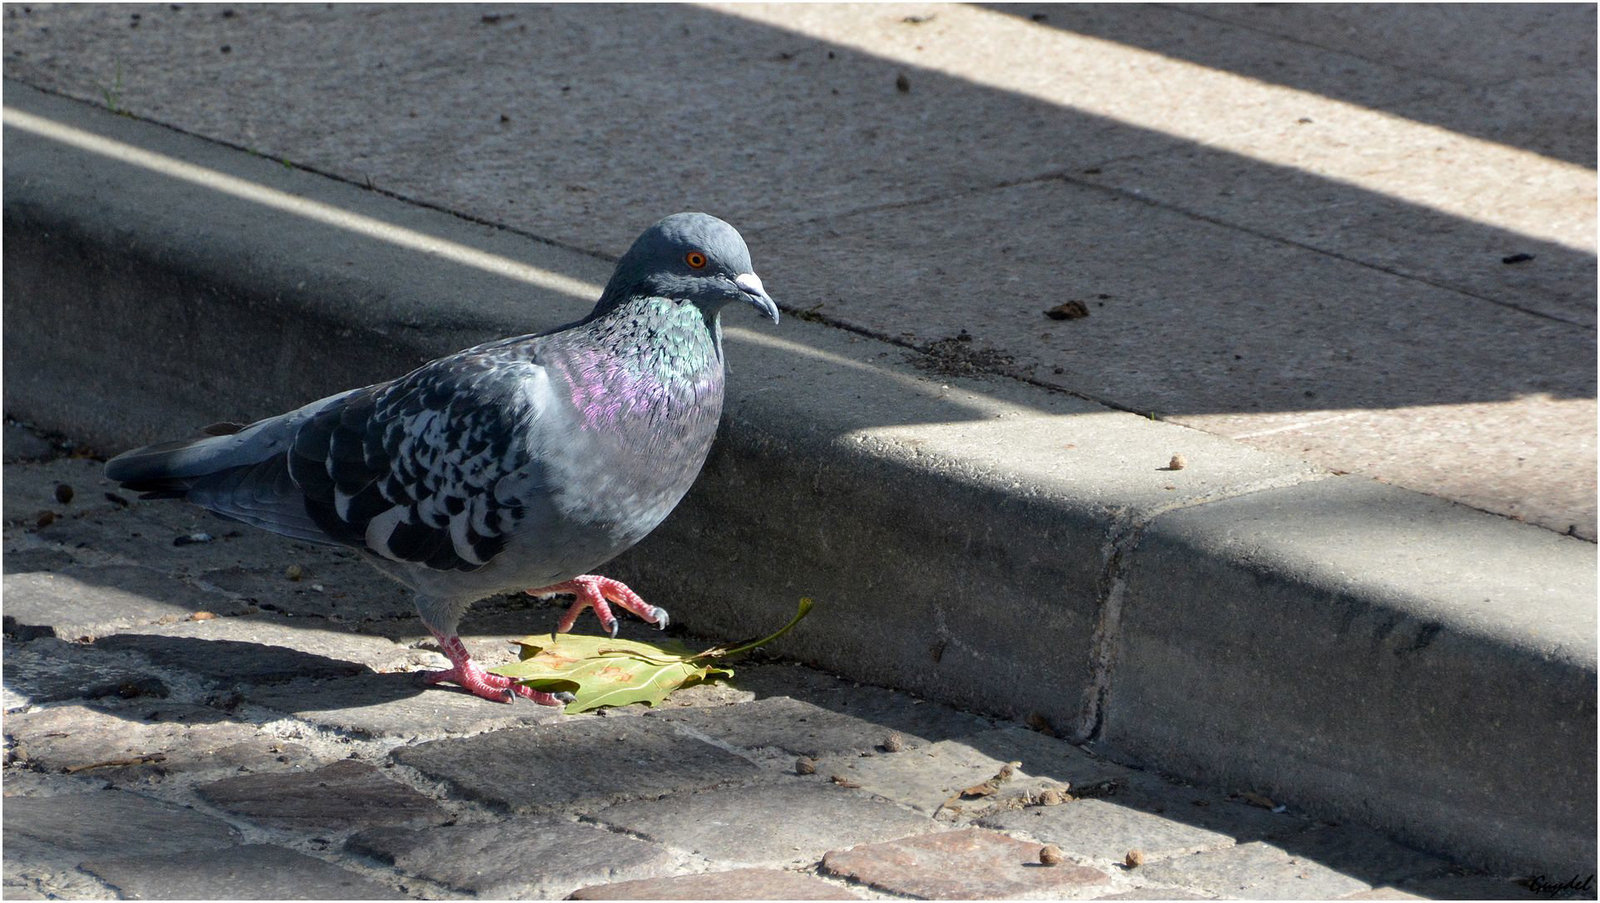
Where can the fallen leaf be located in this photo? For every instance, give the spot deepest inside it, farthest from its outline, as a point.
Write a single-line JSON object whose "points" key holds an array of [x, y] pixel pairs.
{"points": [[601, 671]]}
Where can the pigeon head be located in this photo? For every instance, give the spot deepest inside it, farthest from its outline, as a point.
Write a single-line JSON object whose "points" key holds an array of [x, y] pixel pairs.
{"points": [[692, 257]]}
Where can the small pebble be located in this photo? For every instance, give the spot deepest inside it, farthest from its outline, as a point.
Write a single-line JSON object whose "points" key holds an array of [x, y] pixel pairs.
{"points": [[293, 572], [45, 519], [894, 742], [805, 765], [1068, 310], [1050, 854], [1134, 859], [63, 493], [901, 83], [203, 616], [1178, 462]]}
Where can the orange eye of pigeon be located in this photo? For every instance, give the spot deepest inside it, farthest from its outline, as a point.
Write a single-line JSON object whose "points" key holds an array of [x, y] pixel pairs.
{"points": [[695, 259]]}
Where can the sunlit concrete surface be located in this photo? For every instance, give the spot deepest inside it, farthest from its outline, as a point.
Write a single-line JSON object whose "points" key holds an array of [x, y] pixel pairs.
{"points": [[1268, 214]]}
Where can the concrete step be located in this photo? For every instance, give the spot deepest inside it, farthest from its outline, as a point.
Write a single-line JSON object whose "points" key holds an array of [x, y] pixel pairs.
{"points": [[1248, 620]]}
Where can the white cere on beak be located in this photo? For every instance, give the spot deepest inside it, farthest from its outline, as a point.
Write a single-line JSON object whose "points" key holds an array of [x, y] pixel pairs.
{"points": [[749, 282]]}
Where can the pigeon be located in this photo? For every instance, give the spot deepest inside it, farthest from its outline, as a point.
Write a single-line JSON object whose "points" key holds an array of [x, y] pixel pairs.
{"points": [[520, 464]]}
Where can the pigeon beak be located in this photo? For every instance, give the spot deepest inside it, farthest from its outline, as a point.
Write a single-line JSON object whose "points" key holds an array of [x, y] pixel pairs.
{"points": [[750, 284]]}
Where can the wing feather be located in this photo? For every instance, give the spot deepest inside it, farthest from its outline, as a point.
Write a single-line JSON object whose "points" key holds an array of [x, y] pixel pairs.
{"points": [[415, 470]]}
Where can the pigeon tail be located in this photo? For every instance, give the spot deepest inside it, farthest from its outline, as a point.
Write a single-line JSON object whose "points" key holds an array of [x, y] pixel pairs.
{"points": [[241, 473], [171, 467]]}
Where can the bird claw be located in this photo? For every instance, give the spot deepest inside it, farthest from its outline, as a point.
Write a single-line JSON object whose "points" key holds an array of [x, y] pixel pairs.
{"points": [[470, 676], [599, 593]]}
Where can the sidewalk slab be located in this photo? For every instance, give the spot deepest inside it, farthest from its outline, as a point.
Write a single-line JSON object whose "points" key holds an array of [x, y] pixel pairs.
{"points": [[1430, 168], [976, 539], [1342, 380]]}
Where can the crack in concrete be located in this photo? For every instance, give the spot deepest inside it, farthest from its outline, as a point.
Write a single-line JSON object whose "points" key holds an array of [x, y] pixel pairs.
{"points": [[1122, 539]]}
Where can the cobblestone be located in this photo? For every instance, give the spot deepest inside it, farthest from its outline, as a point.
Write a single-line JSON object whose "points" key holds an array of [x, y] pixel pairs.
{"points": [[538, 856], [50, 670], [397, 705], [576, 764], [66, 829], [970, 864], [734, 827], [336, 797], [932, 779], [264, 648], [1105, 829], [88, 601], [124, 747], [250, 872]]}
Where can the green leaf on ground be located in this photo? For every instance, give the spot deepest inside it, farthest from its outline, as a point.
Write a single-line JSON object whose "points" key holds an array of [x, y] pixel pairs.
{"points": [[600, 671]]}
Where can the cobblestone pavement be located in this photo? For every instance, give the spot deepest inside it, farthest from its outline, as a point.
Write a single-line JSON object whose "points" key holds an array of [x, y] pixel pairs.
{"points": [[198, 711]]}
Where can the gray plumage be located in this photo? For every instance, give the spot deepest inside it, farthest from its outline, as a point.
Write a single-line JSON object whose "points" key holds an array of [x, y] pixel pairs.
{"points": [[518, 464]]}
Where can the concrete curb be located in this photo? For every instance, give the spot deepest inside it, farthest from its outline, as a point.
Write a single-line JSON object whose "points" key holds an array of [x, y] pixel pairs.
{"points": [[1355, 650]]}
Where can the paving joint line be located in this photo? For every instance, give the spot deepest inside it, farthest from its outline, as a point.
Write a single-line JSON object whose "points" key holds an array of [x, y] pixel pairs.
{"points": [[1295, 243], [1447, 79]]}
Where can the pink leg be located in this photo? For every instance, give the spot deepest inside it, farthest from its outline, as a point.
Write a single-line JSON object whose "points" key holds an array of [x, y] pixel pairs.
{"points": [[470, 676], [594, 591]]}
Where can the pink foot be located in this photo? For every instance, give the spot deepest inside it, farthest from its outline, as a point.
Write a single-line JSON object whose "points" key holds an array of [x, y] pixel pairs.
{"points": [[594, 591], [470, 676]]}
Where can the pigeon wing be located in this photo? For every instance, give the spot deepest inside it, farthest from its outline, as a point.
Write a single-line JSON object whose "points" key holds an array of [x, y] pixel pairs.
{"points": [[436, 468]]}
